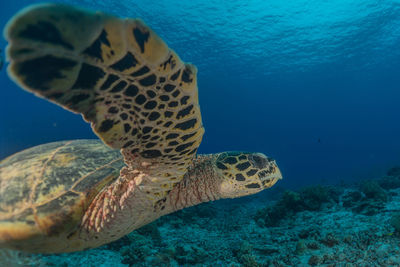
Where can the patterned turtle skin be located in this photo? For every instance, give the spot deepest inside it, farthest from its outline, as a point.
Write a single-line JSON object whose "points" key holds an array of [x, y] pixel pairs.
{"points": [[45, 190], [142, 102]]}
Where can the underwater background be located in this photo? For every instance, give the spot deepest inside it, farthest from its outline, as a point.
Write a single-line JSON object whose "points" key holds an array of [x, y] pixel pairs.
{"points": [[313, 84]]}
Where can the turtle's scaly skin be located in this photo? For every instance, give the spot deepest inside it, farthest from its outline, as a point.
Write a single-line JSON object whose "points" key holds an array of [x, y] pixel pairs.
{"points": [[223, 175], [45, 190], [139, 97]]}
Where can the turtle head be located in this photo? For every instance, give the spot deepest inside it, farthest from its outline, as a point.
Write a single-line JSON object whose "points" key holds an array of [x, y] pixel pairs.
{"points": [[245, 173]]}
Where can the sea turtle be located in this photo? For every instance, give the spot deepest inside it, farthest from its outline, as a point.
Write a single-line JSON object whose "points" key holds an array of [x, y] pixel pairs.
{"points": [[141, 100]]}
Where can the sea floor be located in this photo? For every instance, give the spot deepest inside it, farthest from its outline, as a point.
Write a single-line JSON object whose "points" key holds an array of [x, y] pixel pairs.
{"points": [[353, 225]]}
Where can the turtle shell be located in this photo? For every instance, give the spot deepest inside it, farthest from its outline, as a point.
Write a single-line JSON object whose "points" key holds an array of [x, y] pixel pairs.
{"points": [[45, 190]]}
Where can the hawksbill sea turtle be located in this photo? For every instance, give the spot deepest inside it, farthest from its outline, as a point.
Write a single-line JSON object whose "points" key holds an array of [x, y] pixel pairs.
{"points": [[142, 102]]}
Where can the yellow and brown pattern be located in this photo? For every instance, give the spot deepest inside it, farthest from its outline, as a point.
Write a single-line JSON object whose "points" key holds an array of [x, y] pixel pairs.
{"points": [[45, 190], [136, 92], [140, 98], [247, 172]]}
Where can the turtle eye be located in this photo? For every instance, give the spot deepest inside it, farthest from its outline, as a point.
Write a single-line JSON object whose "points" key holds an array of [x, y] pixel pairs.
{"points": [[260, 161]]}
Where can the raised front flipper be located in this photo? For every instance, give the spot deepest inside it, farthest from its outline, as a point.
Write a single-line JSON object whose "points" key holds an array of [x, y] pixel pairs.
{"points": [[136, 92]]}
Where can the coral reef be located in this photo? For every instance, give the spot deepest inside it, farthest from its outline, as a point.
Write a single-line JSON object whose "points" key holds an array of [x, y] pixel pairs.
{"points": [[370, 200], [394, 171], [310, 198], [391, 180], [317, 226], [289, 204], [245, 255], [188, 254], [372, 190], [395, 222], [351, 198]]}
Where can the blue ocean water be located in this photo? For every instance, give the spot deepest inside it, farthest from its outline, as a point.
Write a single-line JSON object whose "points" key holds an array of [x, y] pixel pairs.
{"points": [[316, 85]]}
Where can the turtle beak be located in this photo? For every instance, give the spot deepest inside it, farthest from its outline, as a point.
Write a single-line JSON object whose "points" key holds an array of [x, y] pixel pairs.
{"points": [[277, 175], [272, 174]]}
